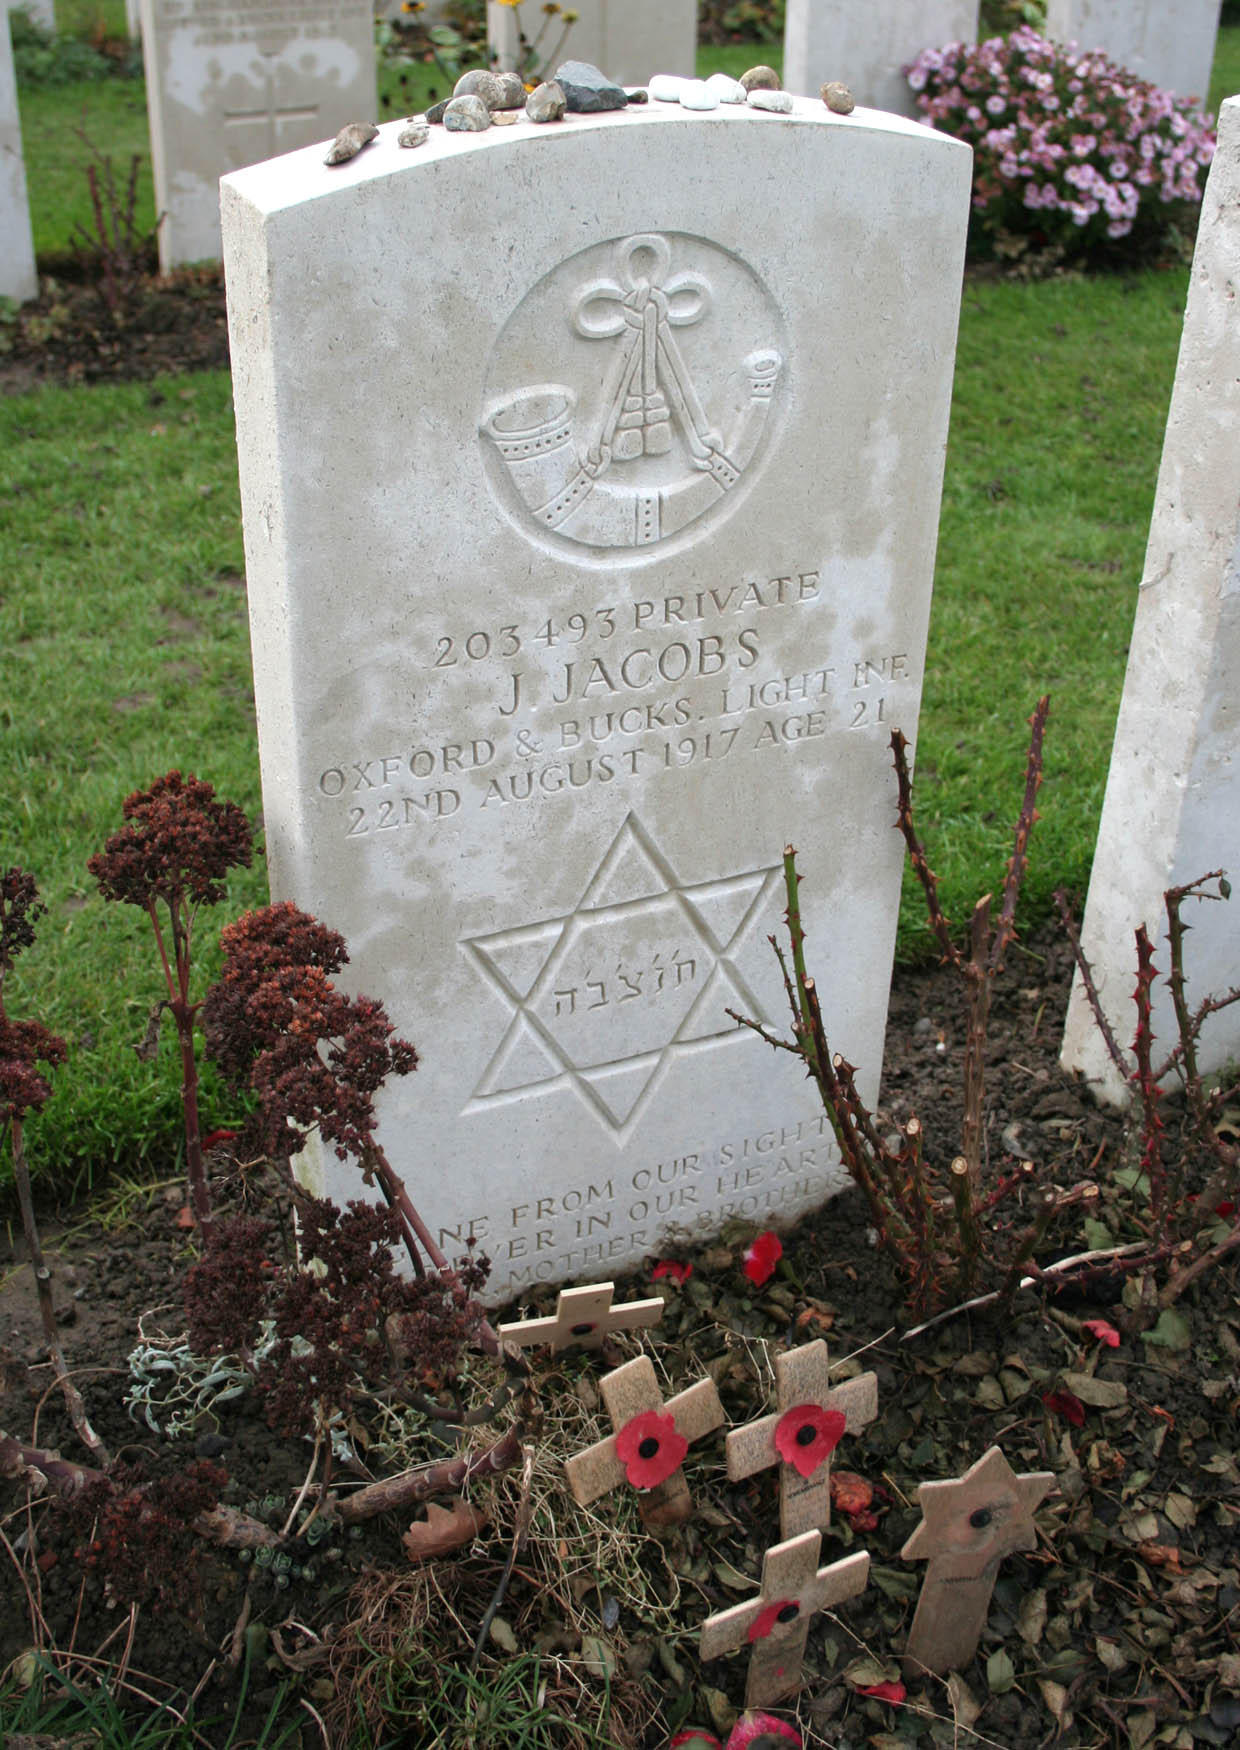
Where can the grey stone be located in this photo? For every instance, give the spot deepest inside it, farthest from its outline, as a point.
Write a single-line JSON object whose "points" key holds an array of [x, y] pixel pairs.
{"points": [[480, 83], [545, 102], [351, 139], [415, 134], [637, 94], [436, 111], [777, 102], [511, 91], [466, 115], [838, 98], [586, 90], [760, 79]]}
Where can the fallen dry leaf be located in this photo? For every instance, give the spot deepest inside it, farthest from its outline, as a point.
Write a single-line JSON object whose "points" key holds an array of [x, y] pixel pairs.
{"points": [[443, 1529]]}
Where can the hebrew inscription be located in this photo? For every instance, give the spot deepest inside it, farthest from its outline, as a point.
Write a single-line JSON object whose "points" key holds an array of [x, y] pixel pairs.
{"points": [[632, 391], [643, 970]]}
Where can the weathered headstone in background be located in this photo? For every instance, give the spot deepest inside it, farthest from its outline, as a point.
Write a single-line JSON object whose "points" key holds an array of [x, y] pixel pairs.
{"points": [[866, 44], [133, 18], [630, 40], [1172, 806], [590, 527], [18, 279], [231, 82], [41, 11], [1171, 44]]}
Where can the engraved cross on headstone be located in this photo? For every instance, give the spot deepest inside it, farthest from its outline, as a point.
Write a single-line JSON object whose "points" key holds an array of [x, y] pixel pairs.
{"points": [[649, 1444], [584, 1318], [802, 1434], [270, 112], [968, 1525], [776, 1622]]}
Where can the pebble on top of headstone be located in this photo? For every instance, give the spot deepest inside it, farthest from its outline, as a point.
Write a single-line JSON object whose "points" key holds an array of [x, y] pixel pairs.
{"points": [[466, 115], [351, 139], [760, 79], [587, 91], [585, 623], [1171, 811], [545, 102], [838, 98], [479, 82]]}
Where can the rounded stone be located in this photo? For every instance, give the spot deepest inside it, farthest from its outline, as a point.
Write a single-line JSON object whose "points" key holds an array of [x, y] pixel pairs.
{"points": [[466, 115], [415, 134], [545, 102], [776, 102], [503, 118], [838, 98], [480, 83], [697, 94], [666, 87], [760, 79], [350, 141], [637, 94], [730, 90], [511, 91]]}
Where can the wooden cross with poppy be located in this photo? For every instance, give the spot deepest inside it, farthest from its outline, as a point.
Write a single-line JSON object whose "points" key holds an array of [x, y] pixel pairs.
{"points": [[650, 1442], [776, 1622], [584, 1318], [812, 1418], [968, 1525]]}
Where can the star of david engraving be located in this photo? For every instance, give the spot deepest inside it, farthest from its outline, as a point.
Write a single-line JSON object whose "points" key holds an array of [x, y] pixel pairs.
{"points": [[604, 998]]}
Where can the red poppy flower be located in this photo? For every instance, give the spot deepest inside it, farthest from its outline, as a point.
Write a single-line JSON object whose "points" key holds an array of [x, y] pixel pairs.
{"points": [[885, 1691], [1067, 1405], [807, 1435], [1224, 1209], [1105, 1333], [678, 1272], [755, 1728], [650, 1448], [777, 1615], [761, 1257]]}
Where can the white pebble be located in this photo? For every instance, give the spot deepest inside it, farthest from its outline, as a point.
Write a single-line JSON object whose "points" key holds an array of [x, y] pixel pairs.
{"points": [[697, 94], [777, 102], [730, 90], [666, 87]]}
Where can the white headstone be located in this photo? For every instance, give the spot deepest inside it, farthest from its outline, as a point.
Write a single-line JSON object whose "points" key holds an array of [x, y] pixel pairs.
{"points": [[18, 279], [231, 82], [867, 42], [590, 477], [133, 19], [41, 11], [1172, 805], [628, 39], [1172, 45]]}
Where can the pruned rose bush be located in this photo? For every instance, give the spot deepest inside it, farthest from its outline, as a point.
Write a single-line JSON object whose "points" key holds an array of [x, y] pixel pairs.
{"points": [[1072, 154]]}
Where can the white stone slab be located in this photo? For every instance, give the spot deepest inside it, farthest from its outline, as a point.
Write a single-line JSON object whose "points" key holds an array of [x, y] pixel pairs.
{"points": [[1170, 44], [867, 44], [1172, 805], [18, 279], [537, 720], [628, 39], [231, 82]]}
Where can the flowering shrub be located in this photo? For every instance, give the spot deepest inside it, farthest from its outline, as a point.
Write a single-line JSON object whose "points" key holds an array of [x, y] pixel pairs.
{"points": [[1071, 152]]}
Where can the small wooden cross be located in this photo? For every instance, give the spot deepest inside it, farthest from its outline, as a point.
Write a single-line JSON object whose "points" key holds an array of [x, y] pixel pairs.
{"points": [[968, 1525], [649, 1444], [584, 1318], [776, 1622], [802, 1443]]}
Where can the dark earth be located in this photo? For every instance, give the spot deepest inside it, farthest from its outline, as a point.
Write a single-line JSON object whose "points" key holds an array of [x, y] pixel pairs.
{"points": [[1120, 1629]]}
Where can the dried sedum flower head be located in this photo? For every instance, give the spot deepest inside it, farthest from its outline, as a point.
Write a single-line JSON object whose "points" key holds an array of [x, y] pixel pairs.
{"points": [[179, 842], [19, 907], [22, 1088]]}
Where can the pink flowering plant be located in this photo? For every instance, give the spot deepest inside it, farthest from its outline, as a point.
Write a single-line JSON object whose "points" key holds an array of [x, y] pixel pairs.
{"points": [[1072, 154]]}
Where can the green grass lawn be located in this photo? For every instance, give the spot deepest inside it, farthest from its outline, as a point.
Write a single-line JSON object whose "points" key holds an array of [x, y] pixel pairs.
{"points": [[122, 616]]}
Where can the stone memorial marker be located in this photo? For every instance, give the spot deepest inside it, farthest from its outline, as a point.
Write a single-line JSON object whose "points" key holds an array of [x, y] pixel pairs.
{"points": [[649, 1444], [865, 46], [1172, 805], [776, 1622], [628, 39], [584, 1319], [590, 528], [800, 1437], [42, 12], [968, 1525], [232, 82], [1171, 45], [18, 279]]}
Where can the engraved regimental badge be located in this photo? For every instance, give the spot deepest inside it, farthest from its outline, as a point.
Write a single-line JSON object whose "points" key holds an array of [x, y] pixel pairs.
{"points": [[666, 354]]}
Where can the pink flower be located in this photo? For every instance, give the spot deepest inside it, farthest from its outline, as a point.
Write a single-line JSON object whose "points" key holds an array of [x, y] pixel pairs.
{"points": [[761, 1257], [893, 1692], [650, 1447], [807, 1435], [1105, 1333]]}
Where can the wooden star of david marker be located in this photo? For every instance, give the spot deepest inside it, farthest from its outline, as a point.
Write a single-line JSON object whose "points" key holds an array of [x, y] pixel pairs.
{"points": [[649, 1434], [802, 1382], [776, 1622], [583, 1319], [968, 1525]]}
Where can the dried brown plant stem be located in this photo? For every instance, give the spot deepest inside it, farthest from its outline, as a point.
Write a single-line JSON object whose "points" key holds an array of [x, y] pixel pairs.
{"points": [[432, 1479], [47, 1311], [1182, 1279], [176, 977], [519, 1533]]}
